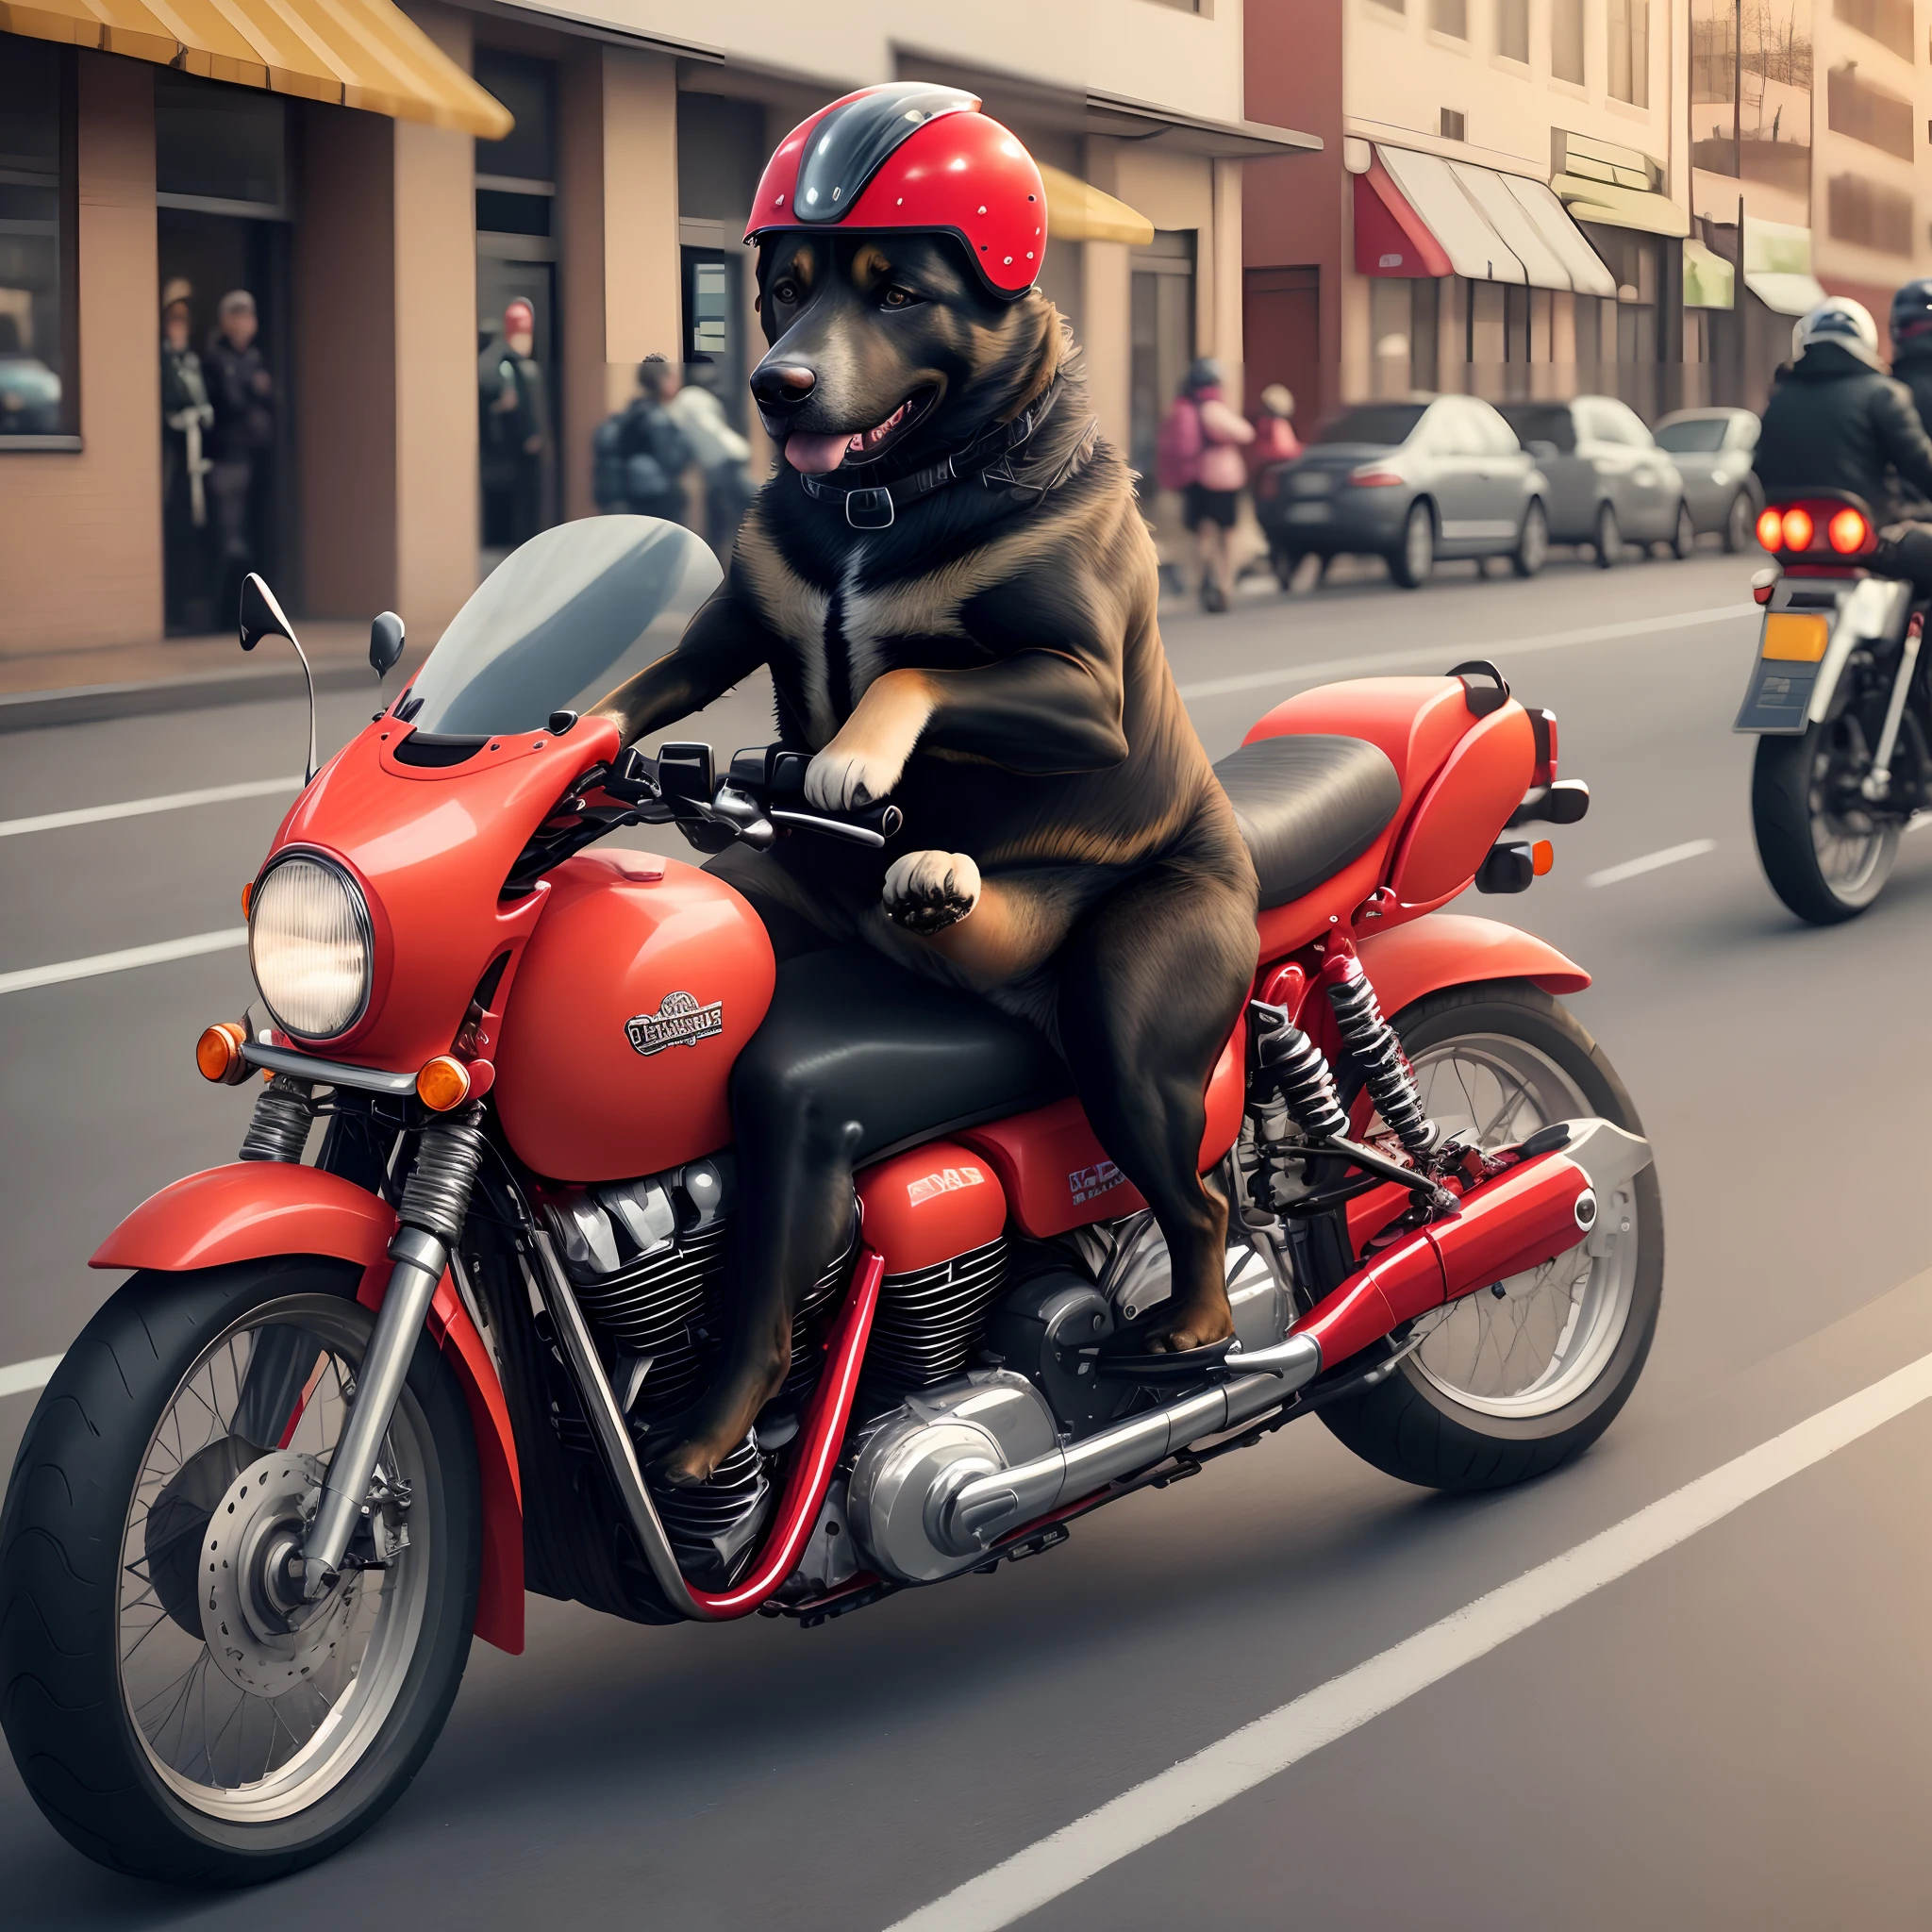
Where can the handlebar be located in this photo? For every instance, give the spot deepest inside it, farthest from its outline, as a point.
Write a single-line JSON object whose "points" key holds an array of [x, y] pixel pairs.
{"points": [[763, 790]]}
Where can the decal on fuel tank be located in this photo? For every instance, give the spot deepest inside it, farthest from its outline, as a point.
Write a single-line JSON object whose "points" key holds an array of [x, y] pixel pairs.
{"points": [[679, 1020], [947, 1180], [1090, 1183]]}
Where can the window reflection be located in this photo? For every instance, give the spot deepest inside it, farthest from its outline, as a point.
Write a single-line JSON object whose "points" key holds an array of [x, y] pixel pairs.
{"points": [[35, 300]]}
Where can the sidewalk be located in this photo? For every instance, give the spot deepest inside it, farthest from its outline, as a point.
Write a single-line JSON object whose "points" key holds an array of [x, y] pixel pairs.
{"points": [[74, 687]]}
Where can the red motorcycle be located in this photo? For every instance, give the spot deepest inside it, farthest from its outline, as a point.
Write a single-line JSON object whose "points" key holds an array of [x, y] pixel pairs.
{"points": [[401, 1361]]}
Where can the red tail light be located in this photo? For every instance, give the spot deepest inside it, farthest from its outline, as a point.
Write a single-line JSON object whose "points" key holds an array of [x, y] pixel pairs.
{"points": [[1847, 532], [1798, 528], [1771, 529], [1373, 479]]}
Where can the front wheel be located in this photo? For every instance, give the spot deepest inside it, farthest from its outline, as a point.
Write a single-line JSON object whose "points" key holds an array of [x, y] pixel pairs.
{"points": [[1684, 534], [1825, 855], [1532, 542], [1412, 563], [175, 1708], [1508, 1382]]}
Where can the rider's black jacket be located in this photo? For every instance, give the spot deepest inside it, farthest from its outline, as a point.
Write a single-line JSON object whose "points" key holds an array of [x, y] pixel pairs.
{"points": [[1835, 422], [1911, 362]]}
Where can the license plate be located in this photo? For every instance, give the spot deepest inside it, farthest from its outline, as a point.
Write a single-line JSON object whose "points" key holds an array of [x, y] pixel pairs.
{"points": [[1308, 512], [1308, 483], [1777, 696]]}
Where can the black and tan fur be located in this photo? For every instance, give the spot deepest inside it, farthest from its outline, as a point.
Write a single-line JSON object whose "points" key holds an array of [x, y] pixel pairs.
{"points": [[994, 663]]}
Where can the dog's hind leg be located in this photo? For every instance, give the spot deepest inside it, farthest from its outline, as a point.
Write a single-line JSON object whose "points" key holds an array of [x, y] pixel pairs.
{"points": [[1150, 985]]}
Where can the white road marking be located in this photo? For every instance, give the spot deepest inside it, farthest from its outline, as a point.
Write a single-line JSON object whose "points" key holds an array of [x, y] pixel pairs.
{"points": [[1651, 861], [1441, 655], [20, 1378], [1284, 1737], [140, 807], [119, 962]]}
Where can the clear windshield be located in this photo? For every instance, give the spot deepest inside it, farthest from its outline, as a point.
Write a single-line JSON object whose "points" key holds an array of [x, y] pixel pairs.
{"points": [[560, 622]]}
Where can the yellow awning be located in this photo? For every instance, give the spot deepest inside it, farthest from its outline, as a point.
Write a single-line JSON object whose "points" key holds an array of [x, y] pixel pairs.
{"points": [[359, 53], [1078, 211]]}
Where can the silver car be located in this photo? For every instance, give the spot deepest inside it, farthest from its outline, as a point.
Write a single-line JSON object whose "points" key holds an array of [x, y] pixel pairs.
{"points": [[1610, 483], [1411, 482], [1712, 450]]}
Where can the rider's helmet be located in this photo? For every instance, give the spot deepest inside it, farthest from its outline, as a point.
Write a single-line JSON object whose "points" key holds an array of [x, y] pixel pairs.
{"points": [[1838, 319], [1911, 311], [911, 156]]}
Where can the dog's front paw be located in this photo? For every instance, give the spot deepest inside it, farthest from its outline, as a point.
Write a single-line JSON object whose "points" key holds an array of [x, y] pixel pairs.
{"points": [[848, 780], [928, 891]]}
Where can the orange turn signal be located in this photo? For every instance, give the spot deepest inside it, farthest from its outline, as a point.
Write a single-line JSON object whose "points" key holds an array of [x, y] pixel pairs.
{"points": [[443, 1083], [248, 893], [1847, 532], [1798, 529], [218, 1054], [1771, 529], [1543, 855]]}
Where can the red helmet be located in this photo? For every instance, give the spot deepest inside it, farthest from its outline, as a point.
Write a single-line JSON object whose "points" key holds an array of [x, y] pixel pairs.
{"points": [[910, 155]]}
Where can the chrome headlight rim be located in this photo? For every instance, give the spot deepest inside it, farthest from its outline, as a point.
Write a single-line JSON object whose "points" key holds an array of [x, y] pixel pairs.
{"points": [[365, 929]]}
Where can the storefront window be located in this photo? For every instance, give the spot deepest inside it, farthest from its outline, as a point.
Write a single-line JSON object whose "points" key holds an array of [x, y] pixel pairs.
{"points": [[1566, 39], [1162, 324], [1629, 31], [38, 398]]}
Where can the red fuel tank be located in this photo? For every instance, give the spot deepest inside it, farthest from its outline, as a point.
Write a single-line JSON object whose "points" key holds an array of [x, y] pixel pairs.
{"points": [[636, 993]]}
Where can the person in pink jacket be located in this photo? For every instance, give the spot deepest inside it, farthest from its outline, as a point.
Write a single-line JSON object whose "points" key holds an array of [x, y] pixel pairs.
{"points": [[1200, 454]]}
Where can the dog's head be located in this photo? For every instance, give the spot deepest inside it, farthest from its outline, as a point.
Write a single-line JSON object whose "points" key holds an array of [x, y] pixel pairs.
{"points": [[888, 344]]}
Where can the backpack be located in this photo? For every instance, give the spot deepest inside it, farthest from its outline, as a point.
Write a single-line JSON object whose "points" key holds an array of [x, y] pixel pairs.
{"points": [[1177, 448]]}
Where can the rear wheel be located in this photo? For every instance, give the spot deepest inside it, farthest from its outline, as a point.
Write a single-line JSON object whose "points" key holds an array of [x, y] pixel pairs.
{"points": [[1608, 540], [1532, 542], [175, 1708], [1740, 525], [1684, 537], [1412, 563], [1825, 855], [1514, 1379]]}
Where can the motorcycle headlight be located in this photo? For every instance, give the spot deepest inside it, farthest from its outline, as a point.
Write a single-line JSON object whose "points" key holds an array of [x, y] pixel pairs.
{"points": [[309, 945]]}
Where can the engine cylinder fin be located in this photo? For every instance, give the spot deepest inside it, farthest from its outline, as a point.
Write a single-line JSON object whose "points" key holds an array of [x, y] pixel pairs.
{"points": [[929, 1319]]}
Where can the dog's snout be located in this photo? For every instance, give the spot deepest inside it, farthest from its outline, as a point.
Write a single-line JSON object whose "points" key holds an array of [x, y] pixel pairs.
{"points": [[783, 386]]}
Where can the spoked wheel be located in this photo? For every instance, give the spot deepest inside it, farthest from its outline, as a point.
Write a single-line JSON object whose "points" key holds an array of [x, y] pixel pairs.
{"points": [[1514, 1379], [181, 1711], [1827, 857]]}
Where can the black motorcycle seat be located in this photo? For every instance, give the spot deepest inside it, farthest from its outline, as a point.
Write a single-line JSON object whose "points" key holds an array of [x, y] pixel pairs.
{"points": [[1307, 805], [852, 1034]]}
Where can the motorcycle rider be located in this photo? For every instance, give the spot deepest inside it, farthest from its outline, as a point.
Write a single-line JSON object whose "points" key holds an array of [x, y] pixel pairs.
{"points": [[1838, 422], [1911, 346]]}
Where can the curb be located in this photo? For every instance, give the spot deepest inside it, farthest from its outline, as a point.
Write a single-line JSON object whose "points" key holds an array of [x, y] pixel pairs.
{"points": [[87, 704]]}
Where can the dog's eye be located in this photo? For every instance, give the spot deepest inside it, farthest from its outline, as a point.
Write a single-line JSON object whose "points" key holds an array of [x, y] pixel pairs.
{"points": [[785, 290], [896, 298]]}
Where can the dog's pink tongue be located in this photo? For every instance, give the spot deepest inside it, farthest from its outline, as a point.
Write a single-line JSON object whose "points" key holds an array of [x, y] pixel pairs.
{"points": [[815, 454]]}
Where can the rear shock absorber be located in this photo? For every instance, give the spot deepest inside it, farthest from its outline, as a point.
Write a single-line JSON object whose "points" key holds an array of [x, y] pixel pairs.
{"points": [[1386, 1073], [1303, 1085]]}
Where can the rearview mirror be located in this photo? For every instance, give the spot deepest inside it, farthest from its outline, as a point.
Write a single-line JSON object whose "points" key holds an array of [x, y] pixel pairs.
{"points": [[261, 616], [384, 642]]}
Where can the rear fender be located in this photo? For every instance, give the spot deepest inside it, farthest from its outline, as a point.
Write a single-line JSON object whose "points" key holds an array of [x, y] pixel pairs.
{"points": [[252, 1210], [1449, 949]]}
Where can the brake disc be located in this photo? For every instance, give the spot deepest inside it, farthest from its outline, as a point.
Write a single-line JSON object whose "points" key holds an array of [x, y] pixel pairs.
{"points": [[263, 1636]]}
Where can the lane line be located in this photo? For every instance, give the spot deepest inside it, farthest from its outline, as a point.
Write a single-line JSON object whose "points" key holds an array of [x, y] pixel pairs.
{"points": [[1651, 861], [138, 808], [1429, 655], [1268, 1746], [119, 962], [20, 1378]]}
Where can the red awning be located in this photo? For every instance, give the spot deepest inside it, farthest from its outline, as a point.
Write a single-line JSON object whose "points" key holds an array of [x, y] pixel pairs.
{"points": [[1391, 238]]}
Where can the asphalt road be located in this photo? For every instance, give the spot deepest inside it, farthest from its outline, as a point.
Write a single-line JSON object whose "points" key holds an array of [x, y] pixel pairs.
{"points": [[1730, 1734]]}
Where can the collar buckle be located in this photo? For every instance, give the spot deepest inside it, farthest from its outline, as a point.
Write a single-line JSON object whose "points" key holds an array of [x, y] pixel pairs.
{"points": [[869, 509]]}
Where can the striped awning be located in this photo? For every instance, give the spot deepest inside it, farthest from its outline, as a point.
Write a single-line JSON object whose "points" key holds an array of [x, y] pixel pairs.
{"points": [[357, 52]]}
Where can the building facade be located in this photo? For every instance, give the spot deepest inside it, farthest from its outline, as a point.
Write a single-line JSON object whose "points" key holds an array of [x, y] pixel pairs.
{"points": [[598, 168]]}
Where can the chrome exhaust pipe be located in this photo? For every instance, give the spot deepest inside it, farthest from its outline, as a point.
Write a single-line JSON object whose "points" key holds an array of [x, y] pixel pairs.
{"points": [[979, 1509]]}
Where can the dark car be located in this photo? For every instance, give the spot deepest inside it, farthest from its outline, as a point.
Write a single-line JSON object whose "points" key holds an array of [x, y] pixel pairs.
{"points": [[1712, 451], [1610, 483], [1409, 482]]}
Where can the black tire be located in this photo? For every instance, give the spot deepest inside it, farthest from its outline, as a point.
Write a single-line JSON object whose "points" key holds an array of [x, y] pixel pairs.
{"points": [[62, 1700], [1413, 562], [1532, 542], [1606, 539], [1286, 563], [1409, 1425], [1684, 536], [1740, 525], [1784, 802]]}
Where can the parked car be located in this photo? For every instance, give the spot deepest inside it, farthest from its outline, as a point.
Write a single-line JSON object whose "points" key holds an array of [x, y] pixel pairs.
{"points": [[1409, 482], [1712, 450], [1609, 484]]}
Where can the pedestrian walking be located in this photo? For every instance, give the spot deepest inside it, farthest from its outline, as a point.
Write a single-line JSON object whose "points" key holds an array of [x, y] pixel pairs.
{"points": [[1274, 439], [242, 393], [514, 430], [1199, 453], [719, 451], [641, 454], [186, 416]]}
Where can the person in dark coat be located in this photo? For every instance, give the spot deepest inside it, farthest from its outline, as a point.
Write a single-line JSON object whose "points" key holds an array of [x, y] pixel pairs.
{"points": [[515, 429], [1837, 421], [242, 393], [1911, 354], [186, 416], [642, 454]]}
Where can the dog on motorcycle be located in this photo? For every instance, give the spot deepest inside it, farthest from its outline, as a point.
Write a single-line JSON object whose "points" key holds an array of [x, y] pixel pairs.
{"points": [[950, 582]]}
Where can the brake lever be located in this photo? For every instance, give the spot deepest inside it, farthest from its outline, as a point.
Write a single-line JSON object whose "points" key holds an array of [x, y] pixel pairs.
{"points": [[870, 829]]}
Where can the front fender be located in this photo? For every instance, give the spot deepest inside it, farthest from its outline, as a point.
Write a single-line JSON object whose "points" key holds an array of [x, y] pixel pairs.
{"points": [[1447, 949], [251, 1209]]}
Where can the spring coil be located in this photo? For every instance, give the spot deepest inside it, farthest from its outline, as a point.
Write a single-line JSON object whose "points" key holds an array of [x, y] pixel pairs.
{"points": [[436, 1198], [280, 1130], [1386, 1073], [1300, 1071]]}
